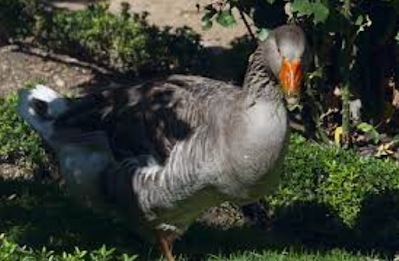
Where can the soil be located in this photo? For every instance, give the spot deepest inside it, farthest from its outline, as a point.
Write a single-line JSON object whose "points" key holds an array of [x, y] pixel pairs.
{"points": [[18, 66], [61, 72], [174, 13]]}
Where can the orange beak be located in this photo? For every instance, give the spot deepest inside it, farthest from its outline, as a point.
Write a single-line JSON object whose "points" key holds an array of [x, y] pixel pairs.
{"points": [[291, 76]]}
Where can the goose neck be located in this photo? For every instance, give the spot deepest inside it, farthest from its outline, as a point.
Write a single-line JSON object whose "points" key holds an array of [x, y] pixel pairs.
{"points": [[260, 83]]}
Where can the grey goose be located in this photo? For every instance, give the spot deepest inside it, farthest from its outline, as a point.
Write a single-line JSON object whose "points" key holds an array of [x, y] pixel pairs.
{"points": [[163, 151]]}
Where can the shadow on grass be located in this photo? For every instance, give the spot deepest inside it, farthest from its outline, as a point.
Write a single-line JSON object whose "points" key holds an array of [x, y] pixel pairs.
{"points": [[377, 225], [38, 214]]}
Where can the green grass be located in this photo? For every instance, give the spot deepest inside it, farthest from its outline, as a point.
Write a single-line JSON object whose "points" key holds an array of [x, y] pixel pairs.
{"points": [[37, 215], [336, 255]]}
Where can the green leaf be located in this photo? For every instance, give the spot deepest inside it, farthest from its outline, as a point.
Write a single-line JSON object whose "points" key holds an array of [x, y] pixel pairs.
{"points": [[368, 128], [270, 1], [301, 7], [206, 21], [320, 12], [365, 127], [262, 33], [359, 20], [226, 18], [206, 24], [395, 139]]}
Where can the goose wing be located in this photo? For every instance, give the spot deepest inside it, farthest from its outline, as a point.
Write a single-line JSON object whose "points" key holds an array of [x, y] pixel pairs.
{"points": [[148, 119]]}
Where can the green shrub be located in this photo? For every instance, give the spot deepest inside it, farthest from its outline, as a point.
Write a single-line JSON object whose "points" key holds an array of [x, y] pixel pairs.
{"points": [[124, 42], [19, 144], [330, 176], [18, 18]]}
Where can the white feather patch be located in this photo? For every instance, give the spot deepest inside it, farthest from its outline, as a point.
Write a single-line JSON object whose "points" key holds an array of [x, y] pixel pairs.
{"points": [[56, 103]]}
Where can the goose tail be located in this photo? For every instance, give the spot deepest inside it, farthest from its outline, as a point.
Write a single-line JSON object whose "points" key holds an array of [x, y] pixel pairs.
{"points": [[40, 107], [83, 156]]}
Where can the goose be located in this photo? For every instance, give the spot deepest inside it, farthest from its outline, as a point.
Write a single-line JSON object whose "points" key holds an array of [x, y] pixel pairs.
{"points": [[163, 151]]}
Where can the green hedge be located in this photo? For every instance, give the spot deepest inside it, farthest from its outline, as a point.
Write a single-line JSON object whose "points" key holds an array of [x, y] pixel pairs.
{"points": [[19, 144], [123, 42], [336, 198], [329, 175], [18, 18]]}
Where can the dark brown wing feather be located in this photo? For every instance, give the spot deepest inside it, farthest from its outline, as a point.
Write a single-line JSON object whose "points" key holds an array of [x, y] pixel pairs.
{"points": [[151, 117]]}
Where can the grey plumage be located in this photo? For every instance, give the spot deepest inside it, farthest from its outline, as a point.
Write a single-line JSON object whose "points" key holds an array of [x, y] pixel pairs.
{"points": [[166, 150]]}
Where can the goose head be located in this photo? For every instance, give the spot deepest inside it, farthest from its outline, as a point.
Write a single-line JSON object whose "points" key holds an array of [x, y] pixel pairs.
{"points": [[288, 57]]}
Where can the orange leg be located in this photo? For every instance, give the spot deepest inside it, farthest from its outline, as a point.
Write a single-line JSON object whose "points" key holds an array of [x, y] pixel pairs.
{"points": [[166, 247]]}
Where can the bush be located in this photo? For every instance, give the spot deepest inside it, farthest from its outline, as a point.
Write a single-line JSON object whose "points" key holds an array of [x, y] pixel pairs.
{"points": [[18, 18], [330, 176], [123, 43], [19, 144]]}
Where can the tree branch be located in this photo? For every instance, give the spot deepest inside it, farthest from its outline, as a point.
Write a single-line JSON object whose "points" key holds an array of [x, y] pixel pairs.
{"points": [[244, 19]]}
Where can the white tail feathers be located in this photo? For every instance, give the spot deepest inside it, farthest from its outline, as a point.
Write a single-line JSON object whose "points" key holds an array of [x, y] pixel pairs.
{"points": [[40, 107], [56, 103], [82, 156]]}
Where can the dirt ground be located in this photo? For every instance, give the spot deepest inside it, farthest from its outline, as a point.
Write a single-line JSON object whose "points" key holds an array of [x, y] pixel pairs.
{"points": [[61, 72], [19, 66], [174, 13]]}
